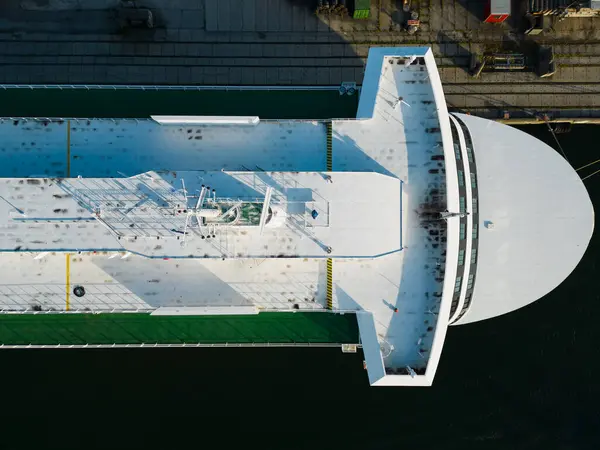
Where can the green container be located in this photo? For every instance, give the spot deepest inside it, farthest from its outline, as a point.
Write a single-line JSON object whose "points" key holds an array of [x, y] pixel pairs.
{"points": [[361, 14], [362, 9]]}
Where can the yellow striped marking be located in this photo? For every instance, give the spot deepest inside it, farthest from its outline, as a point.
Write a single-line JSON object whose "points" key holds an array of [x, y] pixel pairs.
{"points": [[68, 280], [329, 147], [68, 148], [329, 283]]}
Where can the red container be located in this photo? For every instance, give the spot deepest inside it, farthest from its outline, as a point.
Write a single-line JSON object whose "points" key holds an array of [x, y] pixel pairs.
{"points": [[497, 11]]}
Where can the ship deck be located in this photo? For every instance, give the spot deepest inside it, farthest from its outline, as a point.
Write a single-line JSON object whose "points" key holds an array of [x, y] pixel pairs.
{"points": [[403, 141]]}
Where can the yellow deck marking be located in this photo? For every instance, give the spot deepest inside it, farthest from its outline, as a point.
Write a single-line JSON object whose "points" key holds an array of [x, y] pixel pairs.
{"points": [[329, 292], [68, 279], [68, 148]]}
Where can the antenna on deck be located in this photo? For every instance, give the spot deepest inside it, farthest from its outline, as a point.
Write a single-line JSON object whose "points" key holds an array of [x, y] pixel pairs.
{"points": [[265, 210], [447, 214], [201, 197], [398, 101], [184, 191]]}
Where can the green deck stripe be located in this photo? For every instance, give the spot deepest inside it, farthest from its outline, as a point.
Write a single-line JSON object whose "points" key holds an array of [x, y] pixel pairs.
{"points": [[99, 329]]}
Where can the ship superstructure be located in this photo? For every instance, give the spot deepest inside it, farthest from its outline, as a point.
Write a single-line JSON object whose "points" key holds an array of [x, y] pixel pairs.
{"points": [[391, 216], [179, 214]]}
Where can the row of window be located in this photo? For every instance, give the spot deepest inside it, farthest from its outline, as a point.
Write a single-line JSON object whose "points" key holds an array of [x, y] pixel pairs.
{"points": [[461, 184], [465, 307], [475, 231], [458, 283], [468, 141], [461, 179], [454, 305], [461, 256], [455, 138], [470, 281], [456, 141], [462, 204]]}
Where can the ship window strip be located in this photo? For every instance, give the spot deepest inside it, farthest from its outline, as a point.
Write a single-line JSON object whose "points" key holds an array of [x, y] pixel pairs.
{"points": [[473, 256], [457, 284], [470, 281], [475, 216], [461, 257], [454, 304], [463, 231], [465, 307], [461, 178], [467, 301]]}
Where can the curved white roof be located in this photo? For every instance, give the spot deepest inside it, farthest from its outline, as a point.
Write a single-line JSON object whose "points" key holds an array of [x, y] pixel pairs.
{"points": [[541, 213]]}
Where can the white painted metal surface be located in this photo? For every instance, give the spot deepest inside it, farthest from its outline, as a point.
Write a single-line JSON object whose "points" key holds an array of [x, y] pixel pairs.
{"points": [[206, 120], [409, 126], [111, 148], [155, 214], [542, 218], [142, 284], [371, 346]]}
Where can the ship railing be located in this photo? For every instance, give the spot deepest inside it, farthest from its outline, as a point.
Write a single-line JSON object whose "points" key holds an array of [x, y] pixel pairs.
{"points": [[142, 87], [89, 310], [187, 344], [138, 120]]}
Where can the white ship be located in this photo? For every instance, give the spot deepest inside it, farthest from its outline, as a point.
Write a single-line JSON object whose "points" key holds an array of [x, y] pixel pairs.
{"points": [[409, 217]]}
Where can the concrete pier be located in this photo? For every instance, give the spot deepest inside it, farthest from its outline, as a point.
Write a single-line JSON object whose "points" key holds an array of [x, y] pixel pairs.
{"points": [[283, 42]]}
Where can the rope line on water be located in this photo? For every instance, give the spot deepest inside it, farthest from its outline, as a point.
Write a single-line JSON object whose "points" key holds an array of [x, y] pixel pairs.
{"points": [[557, 143], [587, 165], [590, 175]]}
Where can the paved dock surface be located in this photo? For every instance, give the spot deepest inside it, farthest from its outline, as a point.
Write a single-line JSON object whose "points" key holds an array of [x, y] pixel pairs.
{"points": [[283, 42]]}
